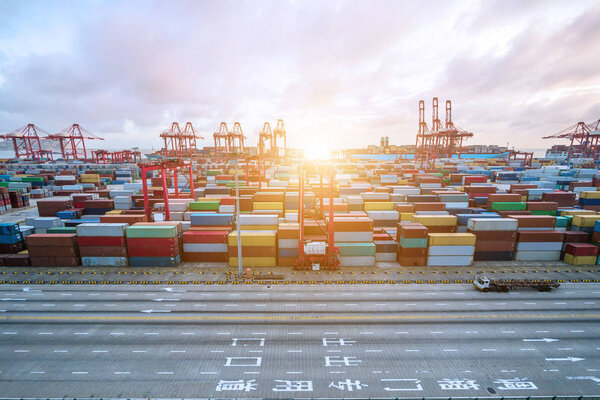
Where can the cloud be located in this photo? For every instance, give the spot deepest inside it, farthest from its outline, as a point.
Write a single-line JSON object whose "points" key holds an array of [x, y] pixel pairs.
{"points": [[344, 72]]}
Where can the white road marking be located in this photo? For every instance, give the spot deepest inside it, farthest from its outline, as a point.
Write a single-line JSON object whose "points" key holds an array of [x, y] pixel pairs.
{"points": [[507, 370], [291, 305], [367, 333], [260, 305], [527, 349], [351, 305], [207, 373], [561, 303], [138, 351], [178, 351], [381, 304], [199, 305], [500, 304], [109, 305], [231, 305], [81, 333], [293, 372], [410, 304], [334, 351], [117, 333], [530, 304], [259, 333], [488, 349], [508, 331], [251, 372], [99, 351], [66, 294], [542, 331], [36, 372], [373, 351], [472, 304], [321, 305], [450, 349], [436, 332], [122, 372], [217, 351], [165, 373], [441, 304], [589, 302], [255, 351], [9, 333], [409, 350], [79, 305], [294, 351], [150, 333], [565, 348], [187, 333], [97, 294], [21, 351], [48, 305], [61, 351], [330, 333], [223, 333], [295, 333], [577, 331], [401, 333], [337, 372], [79, 372]]}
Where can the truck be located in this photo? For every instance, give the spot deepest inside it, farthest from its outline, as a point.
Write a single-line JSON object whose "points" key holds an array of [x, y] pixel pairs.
{"points": [[485, 284]]}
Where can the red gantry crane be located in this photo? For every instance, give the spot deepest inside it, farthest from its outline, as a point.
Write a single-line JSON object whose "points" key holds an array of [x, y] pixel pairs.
{"points": [[279, 132], [263, 136], [171, 138], [236, 138], [585, 139], [26, 142], [439, 141], [187, 141], [72, 141], [221, 138]]}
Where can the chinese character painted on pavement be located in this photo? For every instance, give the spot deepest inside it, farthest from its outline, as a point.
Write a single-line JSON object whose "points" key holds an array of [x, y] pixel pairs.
{"points": [[348, 385], [240, 385], [403, 385], [515, 384], [458, 384], [248, 342], [293, 386], [243, 361], [337, 341], [334, 361]]}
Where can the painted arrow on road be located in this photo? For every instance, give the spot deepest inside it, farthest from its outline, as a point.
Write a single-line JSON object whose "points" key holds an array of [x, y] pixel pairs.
{"points": [[161, 299], [547, 340], [27, 289], [154, 311], [170, 289], [565, 359]]}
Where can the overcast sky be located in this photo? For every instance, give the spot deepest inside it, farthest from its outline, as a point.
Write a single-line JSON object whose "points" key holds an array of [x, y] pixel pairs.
{"points": [[341, 73]]}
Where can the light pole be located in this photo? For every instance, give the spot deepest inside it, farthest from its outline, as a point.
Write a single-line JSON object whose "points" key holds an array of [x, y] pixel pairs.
{"points": [[237, 217]]}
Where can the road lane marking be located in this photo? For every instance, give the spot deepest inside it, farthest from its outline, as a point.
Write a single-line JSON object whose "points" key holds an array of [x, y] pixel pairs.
{"points": [[294, 351], [9, 333], [367, 333], [412, 350], [21, 351], [207, 373], [251, 372], [330, 333], [151, 333], [401, 333], [122, 372], [165, 373], [373, 351], [81, 333], [178, 351], [217, 351], [99, 351], [337, 372], [138, 351], [577, 331], [61, 351], [79, 372], [488, 349], [542, 331], [223, 333], [436, 332], [565, 348], [528, 349], [381, 304], [508, 331], [295, 333], [293, 372], [36, 372], [450, 349], [530, 304], [117, 333]]}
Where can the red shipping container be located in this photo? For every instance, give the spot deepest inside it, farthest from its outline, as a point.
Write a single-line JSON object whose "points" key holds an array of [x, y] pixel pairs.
{"points": [[150, 243], [542, 205], [582, 249], [576, 237], [503, 197], [103, 241], [412, 251], [564, 199], [412, 231], [429, 206], [534, 221], [205, 237], [467, 180], [541, 236], [412, 261], [126, 219], [495, 235], [52, 240], [494, 245], [153, 251], [206, 257], [102, 251]]}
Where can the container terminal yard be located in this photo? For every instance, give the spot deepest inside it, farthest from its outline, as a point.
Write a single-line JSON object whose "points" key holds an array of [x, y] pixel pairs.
{"points": [[212, 268]]}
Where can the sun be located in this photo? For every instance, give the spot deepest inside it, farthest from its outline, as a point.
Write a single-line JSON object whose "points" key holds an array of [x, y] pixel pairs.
{"points": [[317, 152]]}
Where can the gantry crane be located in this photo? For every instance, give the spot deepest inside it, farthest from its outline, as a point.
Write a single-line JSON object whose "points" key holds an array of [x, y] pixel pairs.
{"points": [[585, 139], [72, 141], [26, 142], [279, 132], [236, 139], [439, 141], [263, 136], [221, 138], [187, 140]]}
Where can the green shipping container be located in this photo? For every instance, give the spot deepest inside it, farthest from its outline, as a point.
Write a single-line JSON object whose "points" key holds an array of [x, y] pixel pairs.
{"points": [[62, 229], [356, 249], [509, 206], [412, 243], [544, 212], [204, 205], [151, 231], [562, 222]]}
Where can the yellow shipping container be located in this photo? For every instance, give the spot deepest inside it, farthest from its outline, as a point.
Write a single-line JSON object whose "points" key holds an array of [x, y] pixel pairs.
{"points": [[254, 238], [452, 239], [585, 221], [268, 205], [378, 206], [407, 216], [114, 212], [565, 213], [590, 195], [580, 260], [436, 220], [259, 227], [254, 261]]}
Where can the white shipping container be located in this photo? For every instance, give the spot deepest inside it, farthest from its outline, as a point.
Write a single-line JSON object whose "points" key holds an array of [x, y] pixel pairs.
{"points": [[451, 261], [288, 243], [205, 247], [451, 250], [357, 261], [537, 255], [101, 229], [263, 219], [539, 246], [492, 224], [362, 236]]}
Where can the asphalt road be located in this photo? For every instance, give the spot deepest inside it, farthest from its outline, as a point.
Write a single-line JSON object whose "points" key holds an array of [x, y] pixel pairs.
{"points": [[254, 341]]}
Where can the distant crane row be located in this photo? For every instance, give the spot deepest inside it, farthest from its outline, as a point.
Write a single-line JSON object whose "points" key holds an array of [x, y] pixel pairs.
{"points": [[585, 139]]}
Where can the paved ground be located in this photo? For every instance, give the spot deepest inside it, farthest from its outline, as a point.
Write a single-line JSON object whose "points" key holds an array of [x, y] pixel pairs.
{"points": [[287, 341]]}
